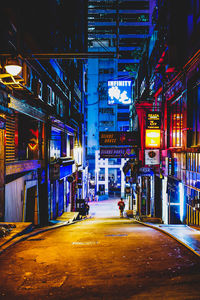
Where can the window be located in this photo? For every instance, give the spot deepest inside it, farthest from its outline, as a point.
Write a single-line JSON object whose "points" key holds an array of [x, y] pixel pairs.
{"points": [[53, 98], [29, 145], [28, 77], [176, 123], [193, 113], [123, 117], [124, 128], [39, 89], [106, 71], [106, 110], [106, 123], [102, 174], [49, 95], [59, 106]]}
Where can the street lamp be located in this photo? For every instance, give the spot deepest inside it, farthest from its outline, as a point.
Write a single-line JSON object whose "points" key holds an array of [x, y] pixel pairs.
{"points": [[13, 67]]}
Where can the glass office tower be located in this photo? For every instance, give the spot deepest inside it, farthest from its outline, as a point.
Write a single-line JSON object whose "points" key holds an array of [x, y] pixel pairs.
{"points": [[119, 27]]}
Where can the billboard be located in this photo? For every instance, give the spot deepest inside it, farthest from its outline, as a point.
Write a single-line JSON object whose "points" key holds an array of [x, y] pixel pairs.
{"points": [[120, 92], [118, 138]]}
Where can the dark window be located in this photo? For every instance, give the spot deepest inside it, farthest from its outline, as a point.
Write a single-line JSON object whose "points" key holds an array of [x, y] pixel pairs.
{"points": [[193, 113], [123, 117]]}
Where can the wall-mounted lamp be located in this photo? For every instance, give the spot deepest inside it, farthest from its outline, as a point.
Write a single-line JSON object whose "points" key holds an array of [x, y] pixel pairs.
{"points": [[13, 67]]}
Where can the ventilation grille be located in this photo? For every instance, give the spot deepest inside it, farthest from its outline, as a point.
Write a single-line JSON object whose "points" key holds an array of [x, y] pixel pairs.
{"points": [[10, 138]]}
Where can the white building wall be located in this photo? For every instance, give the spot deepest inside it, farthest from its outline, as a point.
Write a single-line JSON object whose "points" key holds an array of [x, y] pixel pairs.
{"points": [[104, 164]]}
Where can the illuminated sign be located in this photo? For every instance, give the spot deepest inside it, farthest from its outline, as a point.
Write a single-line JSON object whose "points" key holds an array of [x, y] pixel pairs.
{"points": [[118, 152], [120, 92], [33, 139], [177, 120], [153, 120], [118, 138], [152, 139]]}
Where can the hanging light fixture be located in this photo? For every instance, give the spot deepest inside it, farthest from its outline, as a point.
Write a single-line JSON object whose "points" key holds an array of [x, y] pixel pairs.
{"points": [[13, 67]]}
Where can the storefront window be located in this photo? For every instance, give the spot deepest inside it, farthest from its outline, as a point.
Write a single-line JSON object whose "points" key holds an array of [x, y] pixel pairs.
{"points": [[193, 170], [193, 111], [176, 124], [102, 174], [28, 138], [55, 144]]}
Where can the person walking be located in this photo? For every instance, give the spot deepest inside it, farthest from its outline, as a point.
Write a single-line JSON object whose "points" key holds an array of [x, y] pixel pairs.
{"points": [[87, 208], [121, 205]]}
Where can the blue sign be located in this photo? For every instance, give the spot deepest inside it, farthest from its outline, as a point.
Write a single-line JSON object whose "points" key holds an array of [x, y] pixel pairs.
{"points": [[65, 171], [120, 92], [145, 171]]}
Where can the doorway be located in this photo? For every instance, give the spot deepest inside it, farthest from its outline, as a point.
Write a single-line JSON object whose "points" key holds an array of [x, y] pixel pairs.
{"points": [[30, 204]]}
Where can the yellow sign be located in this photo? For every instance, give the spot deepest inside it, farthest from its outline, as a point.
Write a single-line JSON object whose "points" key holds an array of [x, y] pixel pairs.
{"points": [[152, 139]]}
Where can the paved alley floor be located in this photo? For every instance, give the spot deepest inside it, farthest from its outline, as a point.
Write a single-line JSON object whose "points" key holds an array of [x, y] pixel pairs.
{"points": [[99, 258]]}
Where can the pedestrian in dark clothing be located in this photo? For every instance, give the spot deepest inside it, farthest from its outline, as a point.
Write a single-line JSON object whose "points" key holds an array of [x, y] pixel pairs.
{"points": [[121, 205], [87, 208]]}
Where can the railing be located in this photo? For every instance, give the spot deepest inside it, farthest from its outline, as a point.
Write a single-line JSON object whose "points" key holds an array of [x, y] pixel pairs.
{"points": [[193, 216]]}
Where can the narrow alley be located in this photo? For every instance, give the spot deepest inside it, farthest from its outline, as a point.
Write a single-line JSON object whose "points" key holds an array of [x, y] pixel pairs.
{"points": [[103, 257]]}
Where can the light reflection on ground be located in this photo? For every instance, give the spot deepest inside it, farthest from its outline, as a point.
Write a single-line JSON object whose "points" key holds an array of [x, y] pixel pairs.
{"points": [[105, 208]]}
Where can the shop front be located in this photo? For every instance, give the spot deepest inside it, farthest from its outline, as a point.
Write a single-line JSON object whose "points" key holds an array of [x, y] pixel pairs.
{"points": [[175, 200], [146, 191], [62, 190]]}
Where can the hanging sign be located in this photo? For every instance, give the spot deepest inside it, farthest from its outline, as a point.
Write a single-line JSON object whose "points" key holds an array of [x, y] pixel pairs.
{"points": [[117, 152], [152, 157], [152, 138], [118, 138]]}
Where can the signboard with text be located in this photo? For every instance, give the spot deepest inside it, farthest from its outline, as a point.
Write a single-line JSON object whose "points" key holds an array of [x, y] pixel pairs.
{"points": [[153, 120], [152, 138], [152, 157], [118, 138], [117, 152], [120, 92]]}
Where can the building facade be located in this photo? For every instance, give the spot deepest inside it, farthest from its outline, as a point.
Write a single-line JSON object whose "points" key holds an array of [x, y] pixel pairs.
{"points": [[42, 107], [171, 90]]}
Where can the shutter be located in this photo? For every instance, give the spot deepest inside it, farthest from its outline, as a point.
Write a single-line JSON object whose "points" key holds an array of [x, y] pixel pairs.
{"points": [[10, 138]]}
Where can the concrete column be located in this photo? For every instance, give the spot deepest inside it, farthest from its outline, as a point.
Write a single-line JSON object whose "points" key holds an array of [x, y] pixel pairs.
{"points": [[106, 177]]}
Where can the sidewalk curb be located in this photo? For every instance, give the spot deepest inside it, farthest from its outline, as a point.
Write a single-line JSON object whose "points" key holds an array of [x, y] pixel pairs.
{"points": [[22, 237], [28, 228], [169, 234]]}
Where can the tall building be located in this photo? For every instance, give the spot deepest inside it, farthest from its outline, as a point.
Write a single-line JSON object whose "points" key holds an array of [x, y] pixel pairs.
{"points": [[120, 28]]}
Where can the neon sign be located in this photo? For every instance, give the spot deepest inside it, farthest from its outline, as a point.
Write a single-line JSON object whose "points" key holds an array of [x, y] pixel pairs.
{"points": [[33, 141], [153, 121], [120, 92], [152, 138]]}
